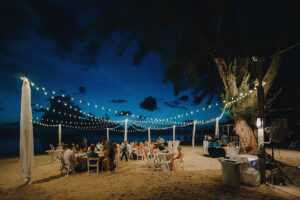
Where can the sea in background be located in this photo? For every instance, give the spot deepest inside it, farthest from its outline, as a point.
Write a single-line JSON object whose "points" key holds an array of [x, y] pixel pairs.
{"points": [[44, 136]]}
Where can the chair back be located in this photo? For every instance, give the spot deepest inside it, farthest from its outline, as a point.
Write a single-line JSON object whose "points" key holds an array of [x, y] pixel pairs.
{"points": [[182, 157], [129, 148], [94, 161], [140, 152]]}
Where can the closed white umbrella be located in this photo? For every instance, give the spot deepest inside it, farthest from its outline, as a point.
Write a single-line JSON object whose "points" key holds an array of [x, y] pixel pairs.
{"points": [[26, 133]]}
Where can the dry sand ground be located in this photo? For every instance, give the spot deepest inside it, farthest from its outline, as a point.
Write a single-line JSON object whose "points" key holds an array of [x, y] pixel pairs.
{"points": [[201, 180]]}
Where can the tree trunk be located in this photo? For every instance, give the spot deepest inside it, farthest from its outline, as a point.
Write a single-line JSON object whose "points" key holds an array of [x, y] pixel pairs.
{"points": [[248, 137]]}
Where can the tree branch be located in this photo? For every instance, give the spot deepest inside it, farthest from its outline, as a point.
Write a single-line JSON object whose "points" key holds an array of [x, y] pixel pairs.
{"points": [[271, 74], [228, 78]]}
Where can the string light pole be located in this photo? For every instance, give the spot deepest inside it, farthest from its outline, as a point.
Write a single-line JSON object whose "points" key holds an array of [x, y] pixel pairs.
{"points": [[149, 136], [125, 132], [107, 134], [260, 120], [59, 134], [174, 133], [194, 131]]}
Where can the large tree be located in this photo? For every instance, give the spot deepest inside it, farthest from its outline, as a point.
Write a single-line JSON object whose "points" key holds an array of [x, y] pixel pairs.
{"points": [[207, 46]]}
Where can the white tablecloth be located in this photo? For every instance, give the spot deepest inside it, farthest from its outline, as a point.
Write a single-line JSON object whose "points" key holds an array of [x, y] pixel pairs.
{"points": [[205, 148], [231, 151], [54, 154]]}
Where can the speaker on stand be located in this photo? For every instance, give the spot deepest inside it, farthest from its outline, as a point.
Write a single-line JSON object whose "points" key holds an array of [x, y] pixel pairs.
{"points": [[277, 133]]}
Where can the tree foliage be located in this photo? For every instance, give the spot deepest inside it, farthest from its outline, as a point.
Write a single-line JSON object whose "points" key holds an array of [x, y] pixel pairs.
{"points": [[190, 34]]}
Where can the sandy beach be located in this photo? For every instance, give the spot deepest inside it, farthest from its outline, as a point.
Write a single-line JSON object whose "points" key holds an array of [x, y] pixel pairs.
{"points": [[201, 179]]}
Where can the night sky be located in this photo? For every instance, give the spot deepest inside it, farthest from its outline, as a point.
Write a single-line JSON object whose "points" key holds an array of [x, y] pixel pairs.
{"points": [[42, 40]]}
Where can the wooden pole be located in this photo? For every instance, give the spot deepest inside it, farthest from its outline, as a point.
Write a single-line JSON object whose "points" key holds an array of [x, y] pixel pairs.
{"points": [[125, 132], [194, 131], [174, 133], [107, 134]]}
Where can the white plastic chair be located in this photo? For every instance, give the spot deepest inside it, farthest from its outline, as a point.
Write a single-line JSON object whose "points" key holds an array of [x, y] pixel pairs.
{"points": [[129, 151], [170, 145], [116, 160], [182, 161], [95, 165], [140, 154]]}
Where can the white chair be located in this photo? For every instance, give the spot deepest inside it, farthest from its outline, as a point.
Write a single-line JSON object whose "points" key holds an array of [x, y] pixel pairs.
{"points": [[170, 145], [161, 162], [182, 161], [93, 165], [150, 158], [129, 151], [116, 160], [63, 166], [140, 154], [175, 145]]}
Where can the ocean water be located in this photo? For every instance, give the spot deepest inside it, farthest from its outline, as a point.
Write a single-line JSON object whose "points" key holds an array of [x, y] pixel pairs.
{"points": [[43, 137]]}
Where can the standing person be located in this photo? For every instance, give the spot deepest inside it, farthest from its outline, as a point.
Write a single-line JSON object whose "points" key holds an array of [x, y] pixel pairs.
{"points": [[224, 140], [160, 142], [84, 142], [99, 147], [124, 151], [111, 155], [69, 158]]}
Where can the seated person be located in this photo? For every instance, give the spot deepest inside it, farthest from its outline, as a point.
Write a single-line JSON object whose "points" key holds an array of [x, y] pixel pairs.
{"points": [[69, 158], [99, 146], [153, 145], [141, 146], [175, 162], [146, 148], [76, 149], [224, 140], [92, 154], [134, 145], [92, 145], [160, 142], [109, 156], [141, 150]]}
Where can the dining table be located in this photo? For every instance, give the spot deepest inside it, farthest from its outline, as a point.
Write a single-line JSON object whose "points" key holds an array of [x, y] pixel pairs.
{"points": [[82, 157], [54, 155]]}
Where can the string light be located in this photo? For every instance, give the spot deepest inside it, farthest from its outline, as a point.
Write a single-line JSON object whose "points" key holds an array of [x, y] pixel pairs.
{"points": [[109, 109]]}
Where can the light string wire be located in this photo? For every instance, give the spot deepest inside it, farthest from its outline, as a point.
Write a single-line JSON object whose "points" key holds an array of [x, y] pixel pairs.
{"points": [[46, 92], [282, 51]]}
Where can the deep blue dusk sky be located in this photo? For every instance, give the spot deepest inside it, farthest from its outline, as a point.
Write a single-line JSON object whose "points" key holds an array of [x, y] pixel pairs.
{"points": [[57, 60]]}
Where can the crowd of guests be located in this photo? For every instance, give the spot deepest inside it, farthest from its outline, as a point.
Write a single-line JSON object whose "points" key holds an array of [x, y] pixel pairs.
{"points": [[112, 152], [106, 148], [147, 149]]}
